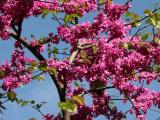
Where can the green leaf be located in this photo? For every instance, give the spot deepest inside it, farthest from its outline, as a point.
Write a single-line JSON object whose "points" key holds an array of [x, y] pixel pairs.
{"points": [[68, 105], [128, 14], [132, 17], [45, 12], [39, 78], [147, 12], [145, 36], [136, 24], [83, 54], [157, 40], [71, 17], [86, 60], [97, 84], [94, 49], [2, 74], [128, 46], [54, 51], [22, 102], [33, 66], [102, 1], [66, 19], [11, 96], [155, 23], [157, 68], [154, 20], [79, 99], [34, 63], [53, 71], [76, 84], [65, 49], [43, 67]]}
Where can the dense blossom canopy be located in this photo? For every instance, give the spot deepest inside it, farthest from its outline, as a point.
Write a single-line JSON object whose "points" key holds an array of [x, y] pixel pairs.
{"points": [[107, 56]]}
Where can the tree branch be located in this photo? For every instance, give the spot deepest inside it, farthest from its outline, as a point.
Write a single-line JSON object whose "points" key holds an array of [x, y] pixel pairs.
{"points": [[139, 31], [58, 84], [27, 45], [96, 90], [142, 18]]}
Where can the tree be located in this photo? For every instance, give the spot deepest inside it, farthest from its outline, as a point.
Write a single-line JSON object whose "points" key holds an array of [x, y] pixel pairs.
{"points": [[104, 53]]}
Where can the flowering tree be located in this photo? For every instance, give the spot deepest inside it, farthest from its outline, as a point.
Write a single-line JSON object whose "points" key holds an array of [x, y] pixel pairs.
{"points": [[104, 53]]}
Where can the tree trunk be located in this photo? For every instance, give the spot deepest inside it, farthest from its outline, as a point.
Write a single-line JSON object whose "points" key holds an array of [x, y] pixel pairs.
{"points": [[66, 115]]}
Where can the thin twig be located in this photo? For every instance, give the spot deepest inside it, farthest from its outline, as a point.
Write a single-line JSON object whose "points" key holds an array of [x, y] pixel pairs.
{"points": [[118, 99], [4, 101], [38, 110], [142, 18], [49, 49], [96, 90], [55, 17], [139, 31], [81, 29], [153, 32], [36, 75], [125, 113], [128, 2], [131, 103]]}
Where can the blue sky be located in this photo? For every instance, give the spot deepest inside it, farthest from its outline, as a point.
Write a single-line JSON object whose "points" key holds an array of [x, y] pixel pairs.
{"points": [[45, 91]]}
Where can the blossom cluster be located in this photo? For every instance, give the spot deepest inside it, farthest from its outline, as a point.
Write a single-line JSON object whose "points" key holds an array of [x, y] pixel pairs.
{"points": [[37, 45], [15, 73], [107, 56], [12, 12]]}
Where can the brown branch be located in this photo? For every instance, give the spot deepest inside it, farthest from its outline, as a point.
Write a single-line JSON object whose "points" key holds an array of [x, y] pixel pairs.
{"points": [[38, 110], [20, 27], [124, 115], [153, 32], [128, 2], [97, 90], [59, 86], [49, 49], [142, 18], [93, 36], [37, 55], [64, 53], [139, 31], [132, 103], [55, 17], [118, 99], [4, 102], [27, 45], [36, 75]]}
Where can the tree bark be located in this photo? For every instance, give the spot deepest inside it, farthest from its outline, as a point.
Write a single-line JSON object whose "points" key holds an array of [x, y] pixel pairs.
{"points": [[60, 88], [66, 115]]}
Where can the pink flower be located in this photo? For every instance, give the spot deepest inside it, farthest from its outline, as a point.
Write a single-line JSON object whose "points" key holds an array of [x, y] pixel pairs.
{"points": [[15, 74], [48, 117]]}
